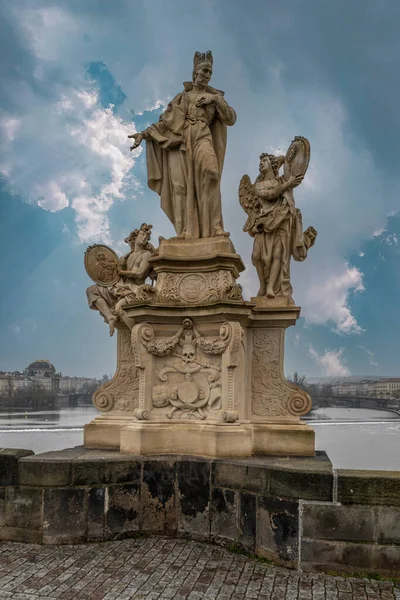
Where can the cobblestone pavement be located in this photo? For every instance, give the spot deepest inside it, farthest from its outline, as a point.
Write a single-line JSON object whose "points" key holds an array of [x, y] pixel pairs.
{"points": [[150, 568]]}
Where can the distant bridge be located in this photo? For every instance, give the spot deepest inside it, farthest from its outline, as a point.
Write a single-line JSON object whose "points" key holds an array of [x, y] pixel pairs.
{"points": [[357, 402], [72, 400]]}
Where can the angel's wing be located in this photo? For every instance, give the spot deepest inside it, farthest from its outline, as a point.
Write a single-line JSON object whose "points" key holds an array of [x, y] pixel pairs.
{"points": [[248, 201]]}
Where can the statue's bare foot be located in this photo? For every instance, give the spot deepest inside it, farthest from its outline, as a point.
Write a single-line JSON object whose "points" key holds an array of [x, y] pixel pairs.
{"points": [[111, 324], [221, 232], [270, 294]]}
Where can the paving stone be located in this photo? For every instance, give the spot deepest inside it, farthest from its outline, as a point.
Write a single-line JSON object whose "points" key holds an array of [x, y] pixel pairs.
{"points": [[163, 568]]}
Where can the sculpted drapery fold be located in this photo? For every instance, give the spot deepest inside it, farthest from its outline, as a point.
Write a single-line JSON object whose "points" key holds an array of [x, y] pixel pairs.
{"points": [[185, 157]]}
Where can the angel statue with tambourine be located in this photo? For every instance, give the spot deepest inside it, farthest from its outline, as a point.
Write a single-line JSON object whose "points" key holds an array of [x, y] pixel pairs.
{"points": [[273, 219], [120, 281]]}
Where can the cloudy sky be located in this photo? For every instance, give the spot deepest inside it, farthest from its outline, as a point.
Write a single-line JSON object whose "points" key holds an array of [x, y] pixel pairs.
{"points": [[77, 76]]}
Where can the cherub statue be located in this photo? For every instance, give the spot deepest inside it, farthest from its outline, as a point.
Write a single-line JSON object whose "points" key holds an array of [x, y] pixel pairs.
{"points": [[111, 294], [274, 221]]}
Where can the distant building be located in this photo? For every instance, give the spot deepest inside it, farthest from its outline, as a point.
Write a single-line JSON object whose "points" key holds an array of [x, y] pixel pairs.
{"points": [[72, 385], [379, 388], [385, 388], [41, 368], [42, 375], [12, 383]]}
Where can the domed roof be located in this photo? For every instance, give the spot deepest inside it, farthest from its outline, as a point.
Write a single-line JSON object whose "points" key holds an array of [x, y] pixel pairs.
{"points": [[42, 365]]}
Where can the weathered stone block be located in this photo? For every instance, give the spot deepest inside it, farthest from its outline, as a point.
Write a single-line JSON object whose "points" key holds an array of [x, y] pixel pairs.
{"points": [[96, 516], [301, 484], [224, 514], [158, 496], [194, 497], [87, 470], [240, 475], [369, 487], [37, 471], [2, 506], [9, 458], [387, 525], [64, 515], [324, 555], [248, 521], [23, 508], [18, 534], [122, 515], [334, 522], [278, 531]]}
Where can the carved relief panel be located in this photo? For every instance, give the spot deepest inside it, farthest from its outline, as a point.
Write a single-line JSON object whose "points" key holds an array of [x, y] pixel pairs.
{"points": [[186, 376], [271, 394], [197, 288]]}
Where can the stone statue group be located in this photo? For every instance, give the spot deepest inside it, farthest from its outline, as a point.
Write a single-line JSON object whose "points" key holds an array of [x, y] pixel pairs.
{"points": [[185, 153]]}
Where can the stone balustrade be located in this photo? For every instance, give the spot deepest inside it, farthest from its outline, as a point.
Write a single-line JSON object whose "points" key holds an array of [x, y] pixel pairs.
{"points": [[294, 511]]}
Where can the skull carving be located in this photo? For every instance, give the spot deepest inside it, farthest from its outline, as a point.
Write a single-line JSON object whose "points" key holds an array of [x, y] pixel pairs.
{"points": [[188, 354]]}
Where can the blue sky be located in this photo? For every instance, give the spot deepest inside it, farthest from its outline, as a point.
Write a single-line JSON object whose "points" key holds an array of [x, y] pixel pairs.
{"points": [[77, 76]]}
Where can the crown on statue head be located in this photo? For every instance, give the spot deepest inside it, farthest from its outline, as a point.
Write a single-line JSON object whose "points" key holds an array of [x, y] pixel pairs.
{"points": [[202, 57], [133, 234], [146, 228]]}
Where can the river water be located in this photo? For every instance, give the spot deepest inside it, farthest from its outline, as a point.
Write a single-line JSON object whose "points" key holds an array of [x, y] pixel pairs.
{"points": [[353, 438]]}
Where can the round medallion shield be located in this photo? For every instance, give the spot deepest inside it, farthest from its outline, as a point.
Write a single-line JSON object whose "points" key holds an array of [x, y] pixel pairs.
{"points": [[101, 264], [192, 288], [297, 157]]}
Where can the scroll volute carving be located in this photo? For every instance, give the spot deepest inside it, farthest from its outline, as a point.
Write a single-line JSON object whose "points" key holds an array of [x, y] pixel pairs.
{"points": [[272, 395], [121, 392]]}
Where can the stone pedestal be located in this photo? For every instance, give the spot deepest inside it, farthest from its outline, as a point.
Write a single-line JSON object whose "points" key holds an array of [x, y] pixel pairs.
{"points": [[200, 371], [191, 272]]}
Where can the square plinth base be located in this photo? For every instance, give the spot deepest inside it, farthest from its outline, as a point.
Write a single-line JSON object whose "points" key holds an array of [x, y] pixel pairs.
{"points": [[103, 433], [218, 441]]}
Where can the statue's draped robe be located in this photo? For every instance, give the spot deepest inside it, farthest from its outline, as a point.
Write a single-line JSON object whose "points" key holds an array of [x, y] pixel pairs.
{"points": [[185, 157], [281, 223]]}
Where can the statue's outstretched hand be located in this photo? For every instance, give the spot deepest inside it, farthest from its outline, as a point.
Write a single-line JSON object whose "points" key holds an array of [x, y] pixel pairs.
{"points": [[310, 234], [138, 137]]}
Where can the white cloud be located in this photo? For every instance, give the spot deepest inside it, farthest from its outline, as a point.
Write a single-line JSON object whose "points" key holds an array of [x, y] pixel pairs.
{"points": [[391, 239], [370, 355], [378, 232], [327, 299], [82, 161], [50, 196], [331, 362], [9, 126], [162, 103]]}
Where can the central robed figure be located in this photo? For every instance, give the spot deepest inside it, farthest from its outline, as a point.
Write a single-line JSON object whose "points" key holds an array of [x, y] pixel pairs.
{"points": [[185, 154]]}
